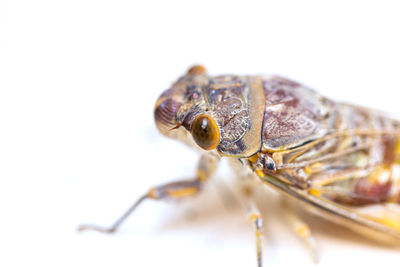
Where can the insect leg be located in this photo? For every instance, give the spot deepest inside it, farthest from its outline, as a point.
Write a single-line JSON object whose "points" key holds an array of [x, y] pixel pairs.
{"points": [[180, 189], [255, 218], [301, 229]]}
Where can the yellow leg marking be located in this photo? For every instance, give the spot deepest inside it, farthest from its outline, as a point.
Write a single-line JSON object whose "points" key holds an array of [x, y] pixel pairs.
{"points": [[253, 158], [313, 168], [152, 193], [184, 192], [302, 230], [206, 166], [260, 173], [397, 147], [314, 192], [253, 217], [201, 175], [391, 222]]}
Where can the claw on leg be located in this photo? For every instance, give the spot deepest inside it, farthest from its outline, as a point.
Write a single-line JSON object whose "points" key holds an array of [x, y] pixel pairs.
{"points": [[114, 227]]}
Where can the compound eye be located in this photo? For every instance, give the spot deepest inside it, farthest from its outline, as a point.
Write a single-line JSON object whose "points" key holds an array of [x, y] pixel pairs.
{"points": [[205, 132]]}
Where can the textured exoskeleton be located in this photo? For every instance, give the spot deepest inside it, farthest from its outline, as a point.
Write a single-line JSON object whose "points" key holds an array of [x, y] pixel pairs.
{"points": [[341, 159]]}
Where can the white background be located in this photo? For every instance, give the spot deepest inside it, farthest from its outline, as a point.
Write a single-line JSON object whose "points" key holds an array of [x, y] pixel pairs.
{"points": [[78, 82]]}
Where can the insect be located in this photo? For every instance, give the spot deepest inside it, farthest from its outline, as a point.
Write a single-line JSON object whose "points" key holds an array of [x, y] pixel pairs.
{"points": [[339, 160]]}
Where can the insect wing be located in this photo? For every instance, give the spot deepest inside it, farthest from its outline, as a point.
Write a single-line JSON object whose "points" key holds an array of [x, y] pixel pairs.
{"points": [[381, 221]]}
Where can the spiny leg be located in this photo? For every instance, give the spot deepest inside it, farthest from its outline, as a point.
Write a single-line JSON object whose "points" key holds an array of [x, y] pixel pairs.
{"points": [[180, 189], [255, 218], [301, 229]]}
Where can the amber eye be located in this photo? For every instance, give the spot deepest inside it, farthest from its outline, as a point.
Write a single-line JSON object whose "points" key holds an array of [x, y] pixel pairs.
{"points": [[205, 132]]}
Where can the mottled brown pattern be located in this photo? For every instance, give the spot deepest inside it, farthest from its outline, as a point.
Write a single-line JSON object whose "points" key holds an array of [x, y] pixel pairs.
{"points": [[310, 140], [341, 159], [293, 114], [296, 118]]}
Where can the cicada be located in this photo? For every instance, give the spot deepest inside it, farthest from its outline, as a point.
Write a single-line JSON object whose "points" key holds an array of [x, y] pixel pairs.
{"points": [[340, 160]]}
